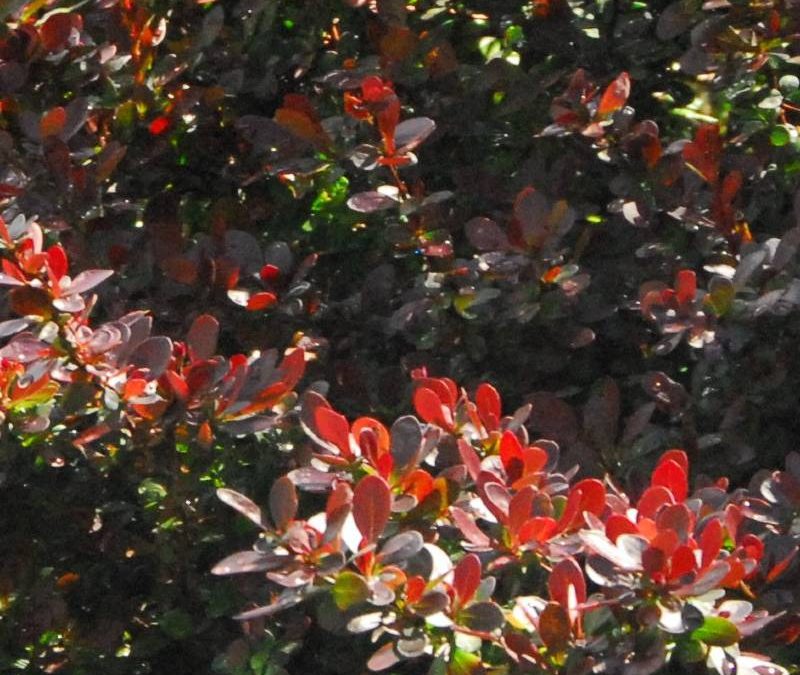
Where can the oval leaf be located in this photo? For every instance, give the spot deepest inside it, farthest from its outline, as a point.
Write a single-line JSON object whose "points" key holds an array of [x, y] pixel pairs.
{"points": [[717, 632], [372, 503], [244, 505], [349, 589], [283, 502]]}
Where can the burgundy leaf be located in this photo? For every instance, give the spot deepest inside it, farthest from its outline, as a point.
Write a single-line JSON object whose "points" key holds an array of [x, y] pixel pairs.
{"points": [[283, 502], [202, 337], [369, 202], [246, 561], [372, 502], [565, 575], [554, 627]]}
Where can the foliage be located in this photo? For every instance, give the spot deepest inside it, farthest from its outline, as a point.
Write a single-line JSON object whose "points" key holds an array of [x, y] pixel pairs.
{"points": [[670, 569], [587, 203]]}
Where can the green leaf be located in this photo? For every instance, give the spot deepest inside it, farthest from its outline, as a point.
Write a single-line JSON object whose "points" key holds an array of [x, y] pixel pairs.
{"points": [[689, 651], [177, 624], [721, 293], [463, 663], [780, 136], [348, 589], [717, 632]]}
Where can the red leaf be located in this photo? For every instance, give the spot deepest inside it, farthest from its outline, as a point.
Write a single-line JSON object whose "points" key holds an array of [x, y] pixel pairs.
{"points": [[539, 528], [429, 407], [670, 475], [686, 286], [781, 566], [652, 499], [159, 125], [292, 367], [269, 273], [679, 457], [57, 261], [682, 562], [467, 578], [676, 518], [489, 408], [571, 515], [177, 383], [703, 155], [333, 427], [511, 450], [372, 503], [91, 434], [593, 495], [535, 459], [494, 495], [52, 122], [55, 32], [615, 96], [261, 300], [711, 541], [520, 508], [205, 434], [565, 574], [418, 483], [470, 458], [618, 524]]}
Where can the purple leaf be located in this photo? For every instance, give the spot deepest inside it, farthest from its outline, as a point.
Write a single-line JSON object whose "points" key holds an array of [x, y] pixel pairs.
{"points": [[311, 479], [242, 504], [401, 547], [482, 616], [287, 599], [412, 132], [369, 202], [406, 441], [249, 425], [247, 561], [154, 354], [486, 235], [202, 337], [87, 280], [13, 326]]}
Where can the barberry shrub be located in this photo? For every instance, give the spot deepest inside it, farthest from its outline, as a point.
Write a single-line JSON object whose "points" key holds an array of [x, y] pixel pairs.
{"points": [[454, 541], [589, 204]]}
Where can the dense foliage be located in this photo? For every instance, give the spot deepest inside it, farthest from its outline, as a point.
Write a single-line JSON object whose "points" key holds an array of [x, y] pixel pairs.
{"points": [[224, 222]]}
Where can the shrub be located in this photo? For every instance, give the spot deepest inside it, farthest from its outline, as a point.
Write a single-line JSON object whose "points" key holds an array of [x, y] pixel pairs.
{"points": [[456, 541]]}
